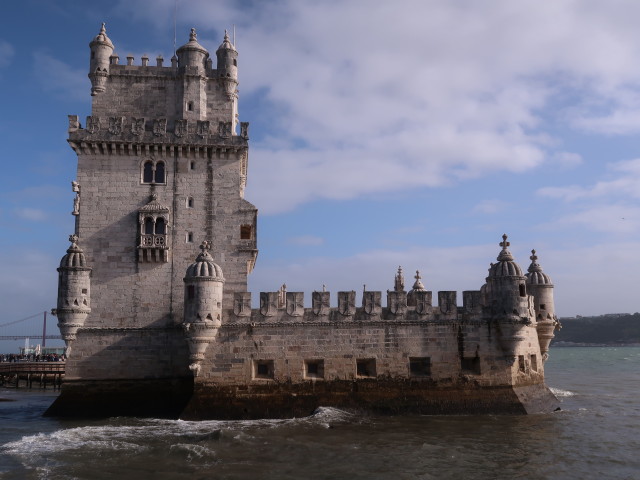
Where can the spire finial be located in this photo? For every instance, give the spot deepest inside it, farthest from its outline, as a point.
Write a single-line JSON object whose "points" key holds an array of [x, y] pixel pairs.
{"points": [[417, 276], [226, 35], [504, 244], [205, 246], [73, 238], [533, 256], [193, 35], [103, 30], [399, 280]]}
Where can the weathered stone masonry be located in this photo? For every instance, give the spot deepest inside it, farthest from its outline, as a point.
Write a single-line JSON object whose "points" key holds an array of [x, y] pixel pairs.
{"points": [[162, 166]]}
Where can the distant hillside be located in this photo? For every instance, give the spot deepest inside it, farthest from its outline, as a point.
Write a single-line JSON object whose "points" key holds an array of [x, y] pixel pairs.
{"points": [[605, 329]]}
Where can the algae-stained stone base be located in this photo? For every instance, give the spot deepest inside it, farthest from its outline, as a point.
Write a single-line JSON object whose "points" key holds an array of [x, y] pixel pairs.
{"points": [[284, 400], [157, 398]]}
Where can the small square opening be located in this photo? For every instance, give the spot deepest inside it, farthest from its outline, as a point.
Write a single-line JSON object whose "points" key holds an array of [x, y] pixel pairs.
{"points": [[263, 369], [470, 365], [314, 369], [366, 367], [420, 366]]}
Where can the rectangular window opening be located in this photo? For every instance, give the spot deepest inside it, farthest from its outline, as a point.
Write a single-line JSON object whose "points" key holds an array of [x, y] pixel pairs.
{"points": [[366, 367], [522, 366], [192, 165], [190, 237], [245, 232], [420, 366], [263, 369], [84, 291], [534, 363], [314, 369], [470, 365]]}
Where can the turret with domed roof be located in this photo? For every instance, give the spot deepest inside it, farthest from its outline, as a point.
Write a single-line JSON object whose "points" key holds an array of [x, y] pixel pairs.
{"points": [[101, 50], [203, 284], [505, 294], [74, 292], [539, 285]]}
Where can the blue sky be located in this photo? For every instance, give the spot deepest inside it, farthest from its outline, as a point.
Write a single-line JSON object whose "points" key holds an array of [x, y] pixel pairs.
{"points": [[409, 133]]}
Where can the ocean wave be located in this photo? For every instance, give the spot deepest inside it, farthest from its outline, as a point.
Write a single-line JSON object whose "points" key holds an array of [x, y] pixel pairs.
{"points": [[130, 435], [561, 393]]}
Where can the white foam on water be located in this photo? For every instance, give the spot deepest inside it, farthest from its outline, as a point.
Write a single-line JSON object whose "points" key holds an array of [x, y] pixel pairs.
{"points": [[192, 450], [561, 393]]}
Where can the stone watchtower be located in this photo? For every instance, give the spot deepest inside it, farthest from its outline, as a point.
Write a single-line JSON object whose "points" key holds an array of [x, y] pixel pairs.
{"points": [[162, 165]]}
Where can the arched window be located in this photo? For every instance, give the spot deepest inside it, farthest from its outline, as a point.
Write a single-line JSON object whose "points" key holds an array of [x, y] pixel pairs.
{"points": [[160, 226], [153, 172], [160, 172], [148, 226], [147, 176]]}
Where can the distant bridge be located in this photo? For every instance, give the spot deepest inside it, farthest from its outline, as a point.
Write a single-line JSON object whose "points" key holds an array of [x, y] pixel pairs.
{"points": [[33, 325]]}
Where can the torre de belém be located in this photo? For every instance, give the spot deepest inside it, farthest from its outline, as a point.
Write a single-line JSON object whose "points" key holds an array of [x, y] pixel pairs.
{"points": [[152, 298]]}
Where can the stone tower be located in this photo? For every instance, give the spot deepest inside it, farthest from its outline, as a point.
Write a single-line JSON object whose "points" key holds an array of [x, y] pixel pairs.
{"points": [[162, 167]]}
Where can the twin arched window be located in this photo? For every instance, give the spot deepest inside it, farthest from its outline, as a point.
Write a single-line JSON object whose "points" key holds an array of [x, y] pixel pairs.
{"points": [[159, 227], [153, 172]]}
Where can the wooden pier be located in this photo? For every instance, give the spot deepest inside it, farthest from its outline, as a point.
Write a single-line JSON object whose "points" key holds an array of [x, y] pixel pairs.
{"points": [[40, 373]]}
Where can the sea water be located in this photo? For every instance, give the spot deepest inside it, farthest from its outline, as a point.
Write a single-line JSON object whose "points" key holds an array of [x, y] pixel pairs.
{"points": [[595, 435]]}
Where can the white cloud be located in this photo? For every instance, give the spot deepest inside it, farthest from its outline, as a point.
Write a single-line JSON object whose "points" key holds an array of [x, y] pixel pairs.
{"points": [[627, 185], [489, 206], [611, 218], [31, 214], [567, 159], [7, 53], [60, 78], [379, 97]]}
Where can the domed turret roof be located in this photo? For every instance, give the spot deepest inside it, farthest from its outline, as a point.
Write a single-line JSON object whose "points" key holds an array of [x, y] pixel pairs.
{"points": [[193, 44], [204, 266], [417, 285], [506, 266], [75, 256], [536, 276], [101, 38], [226, 43]]}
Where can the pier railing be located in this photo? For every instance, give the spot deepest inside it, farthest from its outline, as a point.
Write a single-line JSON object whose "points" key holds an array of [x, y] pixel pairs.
{"points": [[43, 373]]}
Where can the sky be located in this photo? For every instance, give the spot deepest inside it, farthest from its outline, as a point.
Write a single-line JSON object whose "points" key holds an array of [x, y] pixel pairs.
{"points": [[383, 134]]}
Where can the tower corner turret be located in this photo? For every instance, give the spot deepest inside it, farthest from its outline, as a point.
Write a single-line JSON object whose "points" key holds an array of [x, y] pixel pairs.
{"points": [[540, 286], [227, 66], [202, 305], [74, 292], [101, 52]]}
